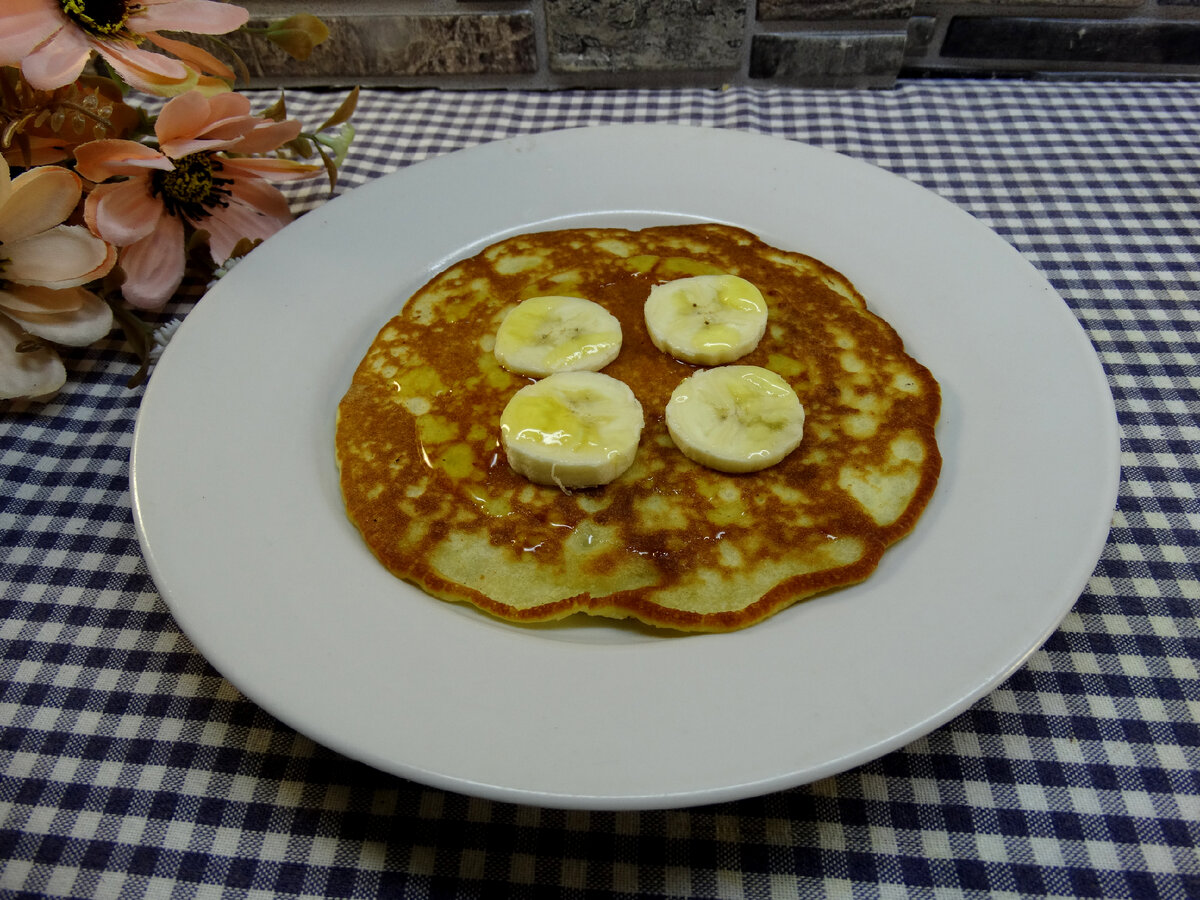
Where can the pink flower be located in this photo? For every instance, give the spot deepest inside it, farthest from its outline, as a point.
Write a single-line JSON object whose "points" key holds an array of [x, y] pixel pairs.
{"points": [[52, 40], [194, 180], [43, 267]]}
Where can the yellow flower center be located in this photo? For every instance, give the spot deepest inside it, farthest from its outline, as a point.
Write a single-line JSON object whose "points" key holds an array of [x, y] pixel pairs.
{"points": [[102, 18], [193, 188]]}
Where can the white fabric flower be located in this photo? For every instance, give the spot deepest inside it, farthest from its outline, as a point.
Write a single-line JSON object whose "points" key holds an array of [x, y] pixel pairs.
{"points": [[43, 267], [162, 336]]}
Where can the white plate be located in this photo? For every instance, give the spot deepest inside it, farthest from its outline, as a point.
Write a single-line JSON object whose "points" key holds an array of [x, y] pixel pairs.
{"points": [[237, 505]]}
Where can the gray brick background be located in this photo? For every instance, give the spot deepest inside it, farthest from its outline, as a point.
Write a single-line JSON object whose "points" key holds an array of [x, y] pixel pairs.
{"points": [[546, 44]]}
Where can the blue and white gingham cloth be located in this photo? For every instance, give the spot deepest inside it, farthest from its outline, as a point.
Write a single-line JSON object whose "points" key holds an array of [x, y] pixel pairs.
{"points": [[130, 768]]}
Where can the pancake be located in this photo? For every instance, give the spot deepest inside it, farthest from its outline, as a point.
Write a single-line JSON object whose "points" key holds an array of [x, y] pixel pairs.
{"points": [[670, 543]]}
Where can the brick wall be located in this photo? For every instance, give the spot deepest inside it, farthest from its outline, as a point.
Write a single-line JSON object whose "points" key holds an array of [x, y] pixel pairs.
{"points": [[544, 44]]}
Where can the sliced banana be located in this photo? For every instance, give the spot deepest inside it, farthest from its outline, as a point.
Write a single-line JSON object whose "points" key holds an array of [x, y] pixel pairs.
{"points": [[706, 319], [572, 429], [543, 335], [735, 418]]}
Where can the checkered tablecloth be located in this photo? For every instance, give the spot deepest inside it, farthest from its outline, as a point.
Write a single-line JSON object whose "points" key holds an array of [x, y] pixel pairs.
{"points": [[130, 768]]}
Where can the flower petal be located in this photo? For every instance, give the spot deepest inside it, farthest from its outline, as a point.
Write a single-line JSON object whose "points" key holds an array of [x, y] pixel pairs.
{"points": [[24, 25], [42, 151], [193, 121], [228, 106], [154, 266], [66, 256], [40, 301], [35, 374], [268, 135], [199, 59], [211, 86], [147, 71], [146, 62], [256, 211], [194, 114], [198, 16], [178, 149], [182, 115], [5, 182], [124, 212], [40, 199], [272, 168], [58, 61], [101, 160], [91, 321]]}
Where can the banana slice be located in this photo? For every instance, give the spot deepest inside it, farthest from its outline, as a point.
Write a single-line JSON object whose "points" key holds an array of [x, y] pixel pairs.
{"points": [[572, 429], [543, 335], [735, 418], [706, 319]]}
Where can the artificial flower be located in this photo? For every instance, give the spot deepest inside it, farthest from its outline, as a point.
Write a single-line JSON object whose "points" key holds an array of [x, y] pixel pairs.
{"points": [[161, 336], [42, 127], [201, 177], [43, 267], [52, 40]]}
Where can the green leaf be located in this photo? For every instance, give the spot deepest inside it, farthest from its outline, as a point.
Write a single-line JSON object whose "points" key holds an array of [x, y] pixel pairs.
{"points": [[301, 146], [277, 111], [343, 112], [243, 247], [330, 168], [297, 35], [340, 145]]}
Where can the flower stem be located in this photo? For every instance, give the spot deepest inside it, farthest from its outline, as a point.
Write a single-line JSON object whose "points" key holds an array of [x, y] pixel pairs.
{"points": [[138, 335]]}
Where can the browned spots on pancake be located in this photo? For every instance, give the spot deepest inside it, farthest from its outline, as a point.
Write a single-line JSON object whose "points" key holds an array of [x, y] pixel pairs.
{"points": [[670, 542]]}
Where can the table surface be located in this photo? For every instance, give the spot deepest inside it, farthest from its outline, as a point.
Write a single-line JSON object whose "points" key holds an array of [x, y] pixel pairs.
{"points": [[131, 768]]}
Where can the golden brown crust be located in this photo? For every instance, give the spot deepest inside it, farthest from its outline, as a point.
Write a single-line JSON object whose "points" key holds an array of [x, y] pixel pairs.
{"points": [[670, 543]]}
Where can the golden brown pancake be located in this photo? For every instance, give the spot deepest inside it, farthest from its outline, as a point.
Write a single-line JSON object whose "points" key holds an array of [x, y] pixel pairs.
{"points": [[669, 543]]}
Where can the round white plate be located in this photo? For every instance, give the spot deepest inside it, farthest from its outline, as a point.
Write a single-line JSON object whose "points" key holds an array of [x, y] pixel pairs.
{"points": [[238, 510]]}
